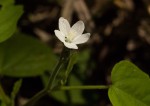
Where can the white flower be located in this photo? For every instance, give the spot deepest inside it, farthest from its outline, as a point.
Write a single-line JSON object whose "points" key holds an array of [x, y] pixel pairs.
{"points": [[71, 36]]}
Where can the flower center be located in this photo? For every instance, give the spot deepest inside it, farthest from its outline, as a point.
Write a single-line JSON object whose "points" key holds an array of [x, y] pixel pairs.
{"points": [[69, 38]]}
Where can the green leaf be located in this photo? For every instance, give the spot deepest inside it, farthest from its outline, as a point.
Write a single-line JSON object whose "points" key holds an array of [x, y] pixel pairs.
{"points": [[6, 2], [16, 89], [130, 86], [2, 103], [83, 59], [23, 56], [8, 20]]}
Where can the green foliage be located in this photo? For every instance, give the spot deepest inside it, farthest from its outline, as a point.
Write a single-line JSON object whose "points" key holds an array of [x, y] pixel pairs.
{"points": [[2, 104], [16, 89], [130, 86], [23, 56], [4, 99], [82, 63], [75, 96], [9, 15], [6, 2]]}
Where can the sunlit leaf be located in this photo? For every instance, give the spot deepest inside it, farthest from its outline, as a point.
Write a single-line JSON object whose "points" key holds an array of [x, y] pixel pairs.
{"points": [[130, 86]]}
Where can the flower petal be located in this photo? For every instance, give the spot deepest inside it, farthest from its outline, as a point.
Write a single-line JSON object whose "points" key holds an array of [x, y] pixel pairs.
{"points": [[64, 25], [70, 45], [81, 39], [60, 35], [78, 27]]}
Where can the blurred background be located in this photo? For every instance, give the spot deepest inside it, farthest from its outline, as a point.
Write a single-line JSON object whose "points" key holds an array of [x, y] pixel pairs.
{"points": [[120, 29]]}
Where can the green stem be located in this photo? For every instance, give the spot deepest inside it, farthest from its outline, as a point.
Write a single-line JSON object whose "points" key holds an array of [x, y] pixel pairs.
{"points": [[87, 87], [52, 78], [36, 97], [64, 56], [54, 74]]}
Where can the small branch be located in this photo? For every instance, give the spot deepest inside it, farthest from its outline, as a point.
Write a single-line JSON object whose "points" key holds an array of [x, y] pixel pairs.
{"points": [[52, 78], [88, 87], [56, 70], [36, 97]]}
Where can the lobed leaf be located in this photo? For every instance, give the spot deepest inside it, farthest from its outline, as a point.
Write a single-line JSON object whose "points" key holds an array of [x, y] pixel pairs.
{"points": [[130, 86]]}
